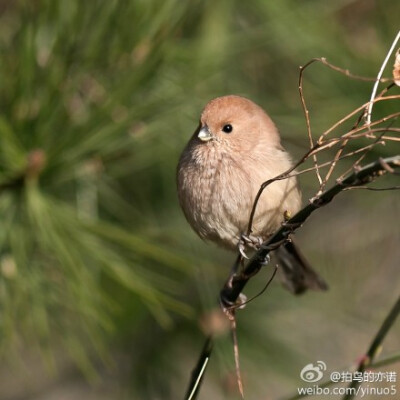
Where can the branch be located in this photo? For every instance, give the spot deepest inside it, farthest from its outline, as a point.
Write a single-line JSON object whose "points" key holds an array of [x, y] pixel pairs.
{"points": [[307, 117], [347, 73], [199, 370], [368, 359], [234, 287], [368, 111]]}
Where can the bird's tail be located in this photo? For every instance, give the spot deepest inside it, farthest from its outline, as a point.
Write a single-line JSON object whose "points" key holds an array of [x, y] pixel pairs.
{"points": [[298, 276]]}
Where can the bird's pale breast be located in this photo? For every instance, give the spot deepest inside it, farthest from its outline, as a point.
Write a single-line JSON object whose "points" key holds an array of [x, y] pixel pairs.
{"points": [[217, 190]]}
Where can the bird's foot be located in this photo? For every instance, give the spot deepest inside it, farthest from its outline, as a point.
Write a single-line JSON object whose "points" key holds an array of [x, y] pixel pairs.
{"points": [[244, 242], [242, 248], [255, 243], [248, 241], [251, 241]]}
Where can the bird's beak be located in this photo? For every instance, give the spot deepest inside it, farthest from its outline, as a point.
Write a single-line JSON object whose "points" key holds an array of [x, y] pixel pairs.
{"points": [[204, 134]]}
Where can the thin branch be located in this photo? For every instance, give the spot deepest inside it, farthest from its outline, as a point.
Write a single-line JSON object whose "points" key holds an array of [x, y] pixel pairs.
{"points": [[356, 164], [232, 318], [347, 73], [333, 165], [372, 189], [199, 370], [392, 138], [307, 117], [357, 110], [258, 294], [367, 361], [375, 88]]}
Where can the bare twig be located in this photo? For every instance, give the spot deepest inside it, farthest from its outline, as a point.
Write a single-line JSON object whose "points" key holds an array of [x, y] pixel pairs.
{"points": [[347, 73], [375, 88], [372, 189], [356, 164], [368, 359], [199, 370], [258, 294], [333, 165], [322, 182], [394, 139], [232, 318], [356, 111], [307, 117]]}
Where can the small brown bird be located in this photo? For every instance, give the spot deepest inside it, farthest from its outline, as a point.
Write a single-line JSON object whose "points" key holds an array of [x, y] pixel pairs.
{"points": [[236, 148]]}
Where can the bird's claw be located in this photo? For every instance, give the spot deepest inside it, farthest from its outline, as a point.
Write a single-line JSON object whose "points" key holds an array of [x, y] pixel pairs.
{"points": [[251, 241], [243, 242], [245, 239], [241, 248]]}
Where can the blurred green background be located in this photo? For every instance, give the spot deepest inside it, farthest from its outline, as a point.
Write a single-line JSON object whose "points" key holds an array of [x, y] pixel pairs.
{"points": [[102, 283]]}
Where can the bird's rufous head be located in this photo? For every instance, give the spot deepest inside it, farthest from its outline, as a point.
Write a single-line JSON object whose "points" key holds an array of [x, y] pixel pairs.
{"points": [[236, 122]]}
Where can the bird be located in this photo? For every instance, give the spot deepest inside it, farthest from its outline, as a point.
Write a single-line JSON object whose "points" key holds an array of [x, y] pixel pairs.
{"points": [[235, 148]]}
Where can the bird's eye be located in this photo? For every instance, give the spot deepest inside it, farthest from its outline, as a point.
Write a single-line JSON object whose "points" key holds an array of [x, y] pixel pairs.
{"points": [[227, 128]]}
